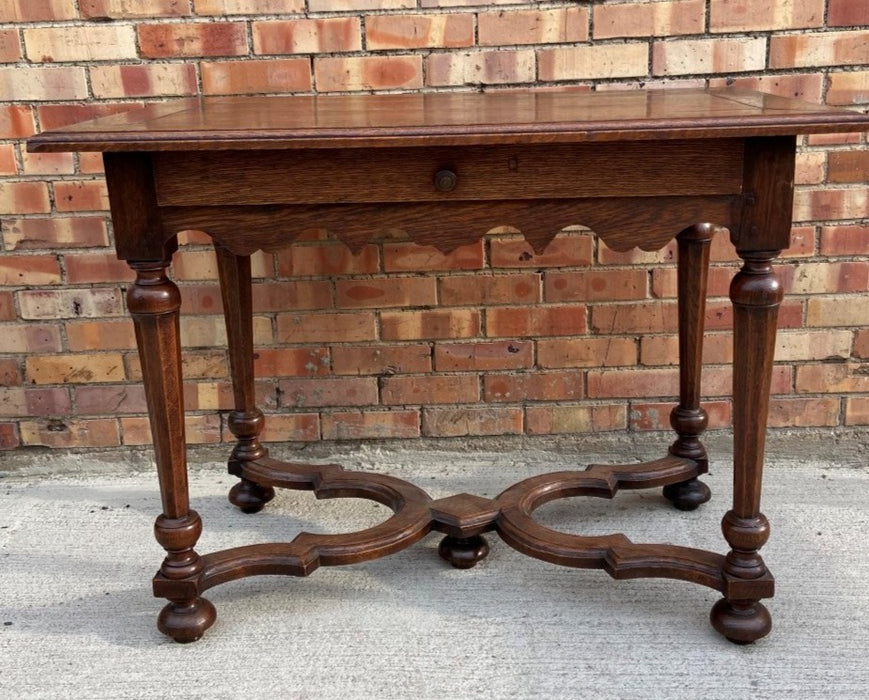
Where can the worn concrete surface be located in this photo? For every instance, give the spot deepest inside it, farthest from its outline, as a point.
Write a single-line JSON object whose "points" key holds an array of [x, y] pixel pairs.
{"points": [[77, 616]]}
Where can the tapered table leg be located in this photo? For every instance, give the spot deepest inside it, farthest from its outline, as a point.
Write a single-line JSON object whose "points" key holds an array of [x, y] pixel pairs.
{"points": [[756, 295], [154, 303], [246, 420], [688, 419]]}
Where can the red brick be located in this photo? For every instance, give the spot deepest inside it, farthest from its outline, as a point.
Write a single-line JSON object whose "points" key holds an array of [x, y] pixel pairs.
{"points": [[366, 425], [837, 378], [381, 359], [348, 5], [367, 73], [42, 11], [564, 251], [802, 413], [70, 303], [599, 285], [848, 166], [587, 352], [10, 46], [326, 327], [9, 438], [90, 164], [283, 362], [661, 350], [650, 317], [488, 290], [192, 39], [43, 83], [840, 310], [7, 306], [825, 277], [110, 400], [146, 80], [17, 402], [75, 369], [594, 62], [535, 321], [411, 391], [701, 56], [24, 198], [549, 420], [635, 256], [847, 13], [833, 139], [100, 432], [97, 267], [198, 429], [10, 372], [205, 364], [759, 15], [8, 164], [638, 383], [386, 292], [290, 295], [311, 36], [327, 260], [480, 67], [437, 324], [81, 195], [825, 49], [826, 205], [100, 335], [48, 163], [848, 88], [92, 43], [458, 422], [856, 411], [16, 121], [326, 391], [656, 416], [194, 265], [512, 354], [29, 338], [556, 26], [244, 77], [649, 19], [844, 240], [419, 31], [533, 386], [20, 270], [861, 344], [665, 281], [127, 9], [407, 257], [247, 7], [298, 427]]}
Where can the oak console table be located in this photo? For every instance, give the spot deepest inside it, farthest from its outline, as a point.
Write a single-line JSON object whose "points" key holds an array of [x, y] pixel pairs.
{"points": [[639, 168]]}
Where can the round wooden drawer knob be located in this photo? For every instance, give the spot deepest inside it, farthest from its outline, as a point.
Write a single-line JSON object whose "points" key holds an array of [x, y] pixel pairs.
{"points": [[445, 180]]}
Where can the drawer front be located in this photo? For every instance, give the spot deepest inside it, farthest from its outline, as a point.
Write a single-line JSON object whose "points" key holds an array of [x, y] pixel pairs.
{"points": [[703, 167]]}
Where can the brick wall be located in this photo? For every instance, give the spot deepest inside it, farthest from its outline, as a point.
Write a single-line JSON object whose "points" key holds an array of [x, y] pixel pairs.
{"points": [[400, 340]]}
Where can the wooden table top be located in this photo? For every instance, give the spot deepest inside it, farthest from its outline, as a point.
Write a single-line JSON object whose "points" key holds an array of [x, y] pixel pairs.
{"points": [[529, 116]]}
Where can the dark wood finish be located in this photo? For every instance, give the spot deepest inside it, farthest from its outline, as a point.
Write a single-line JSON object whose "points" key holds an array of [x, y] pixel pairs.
{"points": [[637, 167]]}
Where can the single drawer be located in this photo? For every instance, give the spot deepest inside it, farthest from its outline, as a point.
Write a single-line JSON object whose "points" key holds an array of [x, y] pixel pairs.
{"points": [[709, 167]]}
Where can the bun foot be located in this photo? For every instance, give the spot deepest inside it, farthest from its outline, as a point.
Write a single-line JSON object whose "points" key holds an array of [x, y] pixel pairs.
{"points": [[741, 621], [186, 622], [249, 497], [687, 495], [463, 552]]}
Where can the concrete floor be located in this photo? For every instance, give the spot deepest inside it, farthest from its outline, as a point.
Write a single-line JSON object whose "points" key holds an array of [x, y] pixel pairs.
{"points": [[77, 554]]}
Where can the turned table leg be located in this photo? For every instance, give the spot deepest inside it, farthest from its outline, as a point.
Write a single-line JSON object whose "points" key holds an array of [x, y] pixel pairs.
{"points": [[154, 303], [688, 419], [246, 420], [756, 295]]}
